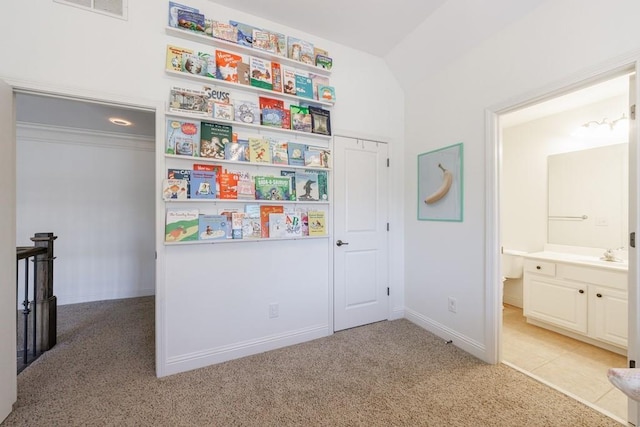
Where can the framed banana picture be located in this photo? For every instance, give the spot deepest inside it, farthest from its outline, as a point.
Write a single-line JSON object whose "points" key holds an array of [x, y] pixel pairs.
{"points": [[440, 184]]}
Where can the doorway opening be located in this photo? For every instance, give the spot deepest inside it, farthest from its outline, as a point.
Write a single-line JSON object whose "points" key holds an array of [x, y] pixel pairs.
{"points": [[548, 232]]}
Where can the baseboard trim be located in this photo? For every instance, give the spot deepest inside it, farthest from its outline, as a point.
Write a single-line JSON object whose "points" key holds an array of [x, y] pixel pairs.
{"points": [[397, 313], [467, 344], [201, 359], [76, 299]]}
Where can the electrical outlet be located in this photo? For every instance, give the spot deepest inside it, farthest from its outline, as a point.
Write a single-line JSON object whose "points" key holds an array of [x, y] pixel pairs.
{"points": [[274, 311], [453, 304]]}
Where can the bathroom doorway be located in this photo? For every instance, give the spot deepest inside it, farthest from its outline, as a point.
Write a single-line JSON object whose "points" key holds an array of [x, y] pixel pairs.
{"points": [[532, 138]]}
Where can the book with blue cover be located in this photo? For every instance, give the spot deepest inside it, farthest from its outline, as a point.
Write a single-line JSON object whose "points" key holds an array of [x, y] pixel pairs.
{"points": [[304, 86], [295, 152], [212, 227], [203, 184]]}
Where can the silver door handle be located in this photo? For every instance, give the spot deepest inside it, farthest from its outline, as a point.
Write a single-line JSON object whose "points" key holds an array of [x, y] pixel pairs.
{"points": [[340, 243]]}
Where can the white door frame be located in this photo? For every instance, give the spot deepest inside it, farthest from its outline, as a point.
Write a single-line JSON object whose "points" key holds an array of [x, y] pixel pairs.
{"points": [[493, 280]]}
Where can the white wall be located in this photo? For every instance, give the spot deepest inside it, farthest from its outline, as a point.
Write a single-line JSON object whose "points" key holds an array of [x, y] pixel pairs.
{"points": [[557, 40], [90, 190], [222, 315]]}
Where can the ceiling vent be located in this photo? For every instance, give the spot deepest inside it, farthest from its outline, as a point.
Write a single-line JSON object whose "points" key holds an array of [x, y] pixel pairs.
{"points": [[114, 8]]}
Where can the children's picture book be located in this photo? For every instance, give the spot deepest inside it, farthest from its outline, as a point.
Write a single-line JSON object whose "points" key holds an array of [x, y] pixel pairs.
{"points": [[265, 210], [304, 219], [174, 57], [276, 73], [203, 185], [180, 174], [262, 40], [213, 138], [192, 21], [228, 214], [296, 153], [272, 187], [237, 220], [266, 102], [272, 117], [324, 61], [323, 185], [174, 189], [293, 225], [228, 186], [320, 120], [236, 151], [280, 43], [224, 31], [279, 153], [191, 101], [246, 185], [215, 94], [312, 157], [243, 73], [325, 158], [300, 118], [208, 167], [326, 93], [173, 12], [212, 227], [277, 225], [288, 80], [246, 111], [227, 65], [245, 33], [222, 111], [307, 186], [317, 223], [251, 227], [316, 81], [259, 150], [292, 179], [304, 86], [183, 137], [260, 73], [195, 64], [286, 119], [181, 225], [300, 50]]}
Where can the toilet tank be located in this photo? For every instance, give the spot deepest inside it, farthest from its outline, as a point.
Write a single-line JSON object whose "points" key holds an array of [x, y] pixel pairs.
{"points": [[512, 262]]}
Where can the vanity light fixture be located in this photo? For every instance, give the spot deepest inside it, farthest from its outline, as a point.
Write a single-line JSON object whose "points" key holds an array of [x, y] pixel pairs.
{"points": [[605, 127], [120, 122]]}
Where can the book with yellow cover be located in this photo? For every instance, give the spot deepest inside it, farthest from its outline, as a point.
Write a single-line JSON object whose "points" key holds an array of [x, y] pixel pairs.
{"points": [[317, 223]]}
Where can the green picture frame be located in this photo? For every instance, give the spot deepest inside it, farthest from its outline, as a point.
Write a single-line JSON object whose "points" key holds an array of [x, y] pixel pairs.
{"points": [[440, 184]]}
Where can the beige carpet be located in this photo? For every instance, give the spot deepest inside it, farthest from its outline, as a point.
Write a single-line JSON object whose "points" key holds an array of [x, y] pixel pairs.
{"points": [[101, 373]]}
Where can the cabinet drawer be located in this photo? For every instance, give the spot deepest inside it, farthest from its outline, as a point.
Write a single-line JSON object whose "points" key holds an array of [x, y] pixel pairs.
{"points": [[540, 267], [597, 276]]}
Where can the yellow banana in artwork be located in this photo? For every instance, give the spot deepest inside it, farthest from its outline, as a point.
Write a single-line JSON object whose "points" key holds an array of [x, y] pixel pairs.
{"points": [[447, 180]]}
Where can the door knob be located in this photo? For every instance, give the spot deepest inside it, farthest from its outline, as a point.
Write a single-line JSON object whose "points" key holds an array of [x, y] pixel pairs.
{"points": [[340, 243]]}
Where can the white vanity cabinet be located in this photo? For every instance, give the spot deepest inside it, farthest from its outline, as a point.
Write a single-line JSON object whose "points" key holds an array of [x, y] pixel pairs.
{"points": [[583, 301]]}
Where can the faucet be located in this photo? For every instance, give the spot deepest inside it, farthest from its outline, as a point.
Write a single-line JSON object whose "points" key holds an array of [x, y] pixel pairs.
{"points": [[609, 255]]}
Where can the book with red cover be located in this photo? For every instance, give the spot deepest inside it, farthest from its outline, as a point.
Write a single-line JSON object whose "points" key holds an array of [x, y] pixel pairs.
{"points": [[265, 210]]}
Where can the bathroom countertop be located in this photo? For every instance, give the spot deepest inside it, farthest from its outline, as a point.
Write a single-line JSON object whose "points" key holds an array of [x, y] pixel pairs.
{"points": [[586, 260]]}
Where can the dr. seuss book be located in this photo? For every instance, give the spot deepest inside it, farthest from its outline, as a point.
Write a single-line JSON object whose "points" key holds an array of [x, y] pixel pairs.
{"points": [[212, 227], [195, 64], [326, 93], [203, 185], [174, 189], [181, 225], [173, 12], [307, 186], [292, 187], [192, 101], [246, 111], [293, 224], [180, 174], [317, 223], [279, 153], [213, 138], [320, 120], [260, 73], [227, 65], [304, 86], [228, 186], [224, 31], [265, 210], [259, 150], [300, 50], [245, 33], [288, 80], [323, 61], [215, 94], [276, 77], [300, 118], [277, 225], [272, 187], [296, 153], [222, 111], [183, 137], [174, 57]]}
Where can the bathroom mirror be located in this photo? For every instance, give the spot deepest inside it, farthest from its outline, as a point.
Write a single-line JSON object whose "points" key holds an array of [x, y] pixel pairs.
{"points": [[588, 197]]}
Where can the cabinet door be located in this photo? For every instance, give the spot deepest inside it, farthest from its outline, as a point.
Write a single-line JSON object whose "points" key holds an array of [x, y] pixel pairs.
{"points": [[609, 311], [559, 303]]}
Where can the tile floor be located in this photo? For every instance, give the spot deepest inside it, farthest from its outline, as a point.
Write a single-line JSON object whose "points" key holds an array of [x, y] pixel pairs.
{"points": [[569, 364]]}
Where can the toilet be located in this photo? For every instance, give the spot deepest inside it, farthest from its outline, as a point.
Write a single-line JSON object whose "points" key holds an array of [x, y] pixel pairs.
{"points": [[512, 262]]}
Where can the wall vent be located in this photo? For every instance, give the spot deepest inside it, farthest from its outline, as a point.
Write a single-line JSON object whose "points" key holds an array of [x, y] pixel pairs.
{"points": [[114, 8]]}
